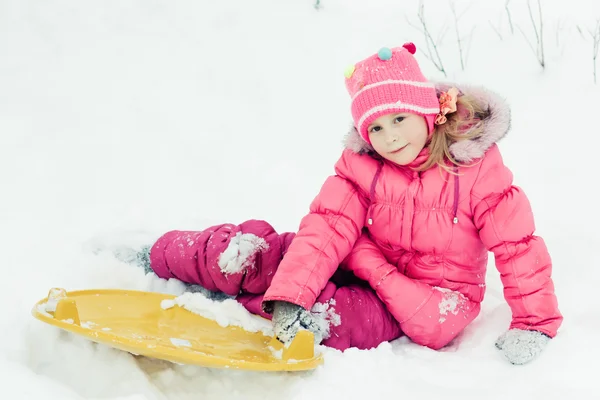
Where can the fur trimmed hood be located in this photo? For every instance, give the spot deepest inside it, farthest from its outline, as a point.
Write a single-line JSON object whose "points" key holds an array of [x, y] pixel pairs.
{"points": [[496, 125]]}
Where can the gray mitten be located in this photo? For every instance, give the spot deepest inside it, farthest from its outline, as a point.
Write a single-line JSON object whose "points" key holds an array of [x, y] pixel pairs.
{"points": [[289, 318], [521, 346], [143, 259]]}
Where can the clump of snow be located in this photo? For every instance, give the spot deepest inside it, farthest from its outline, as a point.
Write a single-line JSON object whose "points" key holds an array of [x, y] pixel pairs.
{"points": [[167, 303], [88, 324], [452, 302], [50, 305], [180, 342], [225, 313], [54, 296], [241, 252], [277, 354], [326, 312], [57, 293]]}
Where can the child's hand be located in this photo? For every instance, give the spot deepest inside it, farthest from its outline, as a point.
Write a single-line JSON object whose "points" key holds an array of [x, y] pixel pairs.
{"points": [[521, 346], [289, 318]]}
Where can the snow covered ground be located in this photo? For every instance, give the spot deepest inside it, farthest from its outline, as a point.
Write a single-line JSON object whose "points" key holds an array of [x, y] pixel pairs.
{"points": [[122, 119]]}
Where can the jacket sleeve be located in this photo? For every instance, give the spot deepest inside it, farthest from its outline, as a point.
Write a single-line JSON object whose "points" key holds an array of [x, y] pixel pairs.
{"points": [[325, 237], [504, 218], [367, 262]]}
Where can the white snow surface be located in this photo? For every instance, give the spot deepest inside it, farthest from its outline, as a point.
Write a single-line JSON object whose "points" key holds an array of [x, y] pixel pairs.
{"points": [[125, 119]]}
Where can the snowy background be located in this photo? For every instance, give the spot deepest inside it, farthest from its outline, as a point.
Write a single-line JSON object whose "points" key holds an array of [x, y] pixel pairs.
{"points": [[120, 120]]}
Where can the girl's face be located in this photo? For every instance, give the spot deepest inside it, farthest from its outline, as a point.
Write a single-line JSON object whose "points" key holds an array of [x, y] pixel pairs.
{"points": [[398, 137]]}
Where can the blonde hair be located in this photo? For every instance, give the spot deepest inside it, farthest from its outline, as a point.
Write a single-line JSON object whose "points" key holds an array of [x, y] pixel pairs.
{"points": [[464, 124]]}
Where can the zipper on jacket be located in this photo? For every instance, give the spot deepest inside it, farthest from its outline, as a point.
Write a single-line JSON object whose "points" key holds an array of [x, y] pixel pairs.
{"points": [[456, 194], [372, 192], [409, 211]]}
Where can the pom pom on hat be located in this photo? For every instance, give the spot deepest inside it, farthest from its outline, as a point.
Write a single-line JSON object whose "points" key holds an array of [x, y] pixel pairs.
{"points": [[384, 54], [349, 71], [412, 49]]}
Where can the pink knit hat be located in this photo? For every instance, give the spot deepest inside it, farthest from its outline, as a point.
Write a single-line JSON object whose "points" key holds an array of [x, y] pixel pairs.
{"points": [[387, 82]]}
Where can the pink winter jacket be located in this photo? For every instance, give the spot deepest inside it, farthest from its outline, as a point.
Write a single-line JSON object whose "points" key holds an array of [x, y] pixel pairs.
{"points": [[387, 222]]}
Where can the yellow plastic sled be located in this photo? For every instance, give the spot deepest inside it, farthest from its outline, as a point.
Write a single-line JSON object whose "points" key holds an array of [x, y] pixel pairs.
{"points": [[135, 322]]}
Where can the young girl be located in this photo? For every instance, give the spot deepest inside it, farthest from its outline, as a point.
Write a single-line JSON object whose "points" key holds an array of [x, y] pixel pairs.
{"points": [[396, 242]]}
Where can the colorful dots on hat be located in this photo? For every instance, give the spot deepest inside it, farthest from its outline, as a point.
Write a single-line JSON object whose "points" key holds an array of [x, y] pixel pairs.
{"points": [[384, 54], [349, 71]]}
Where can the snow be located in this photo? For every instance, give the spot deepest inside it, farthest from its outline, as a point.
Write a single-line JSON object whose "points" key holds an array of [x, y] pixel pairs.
{"points": [[180, 342], [87, 324], [241, 252], [128, 119], [225, 313], [166, 304], [452, 302], [54, 295], [326, 312], [277, 354], [50, 305]]}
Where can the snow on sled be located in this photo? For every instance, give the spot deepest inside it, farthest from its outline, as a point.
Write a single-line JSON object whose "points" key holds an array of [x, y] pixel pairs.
{"points": [[139, 322]]}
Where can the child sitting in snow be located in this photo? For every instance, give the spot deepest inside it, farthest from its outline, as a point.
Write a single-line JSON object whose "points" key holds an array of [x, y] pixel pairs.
{"points": [[396, 242]]}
